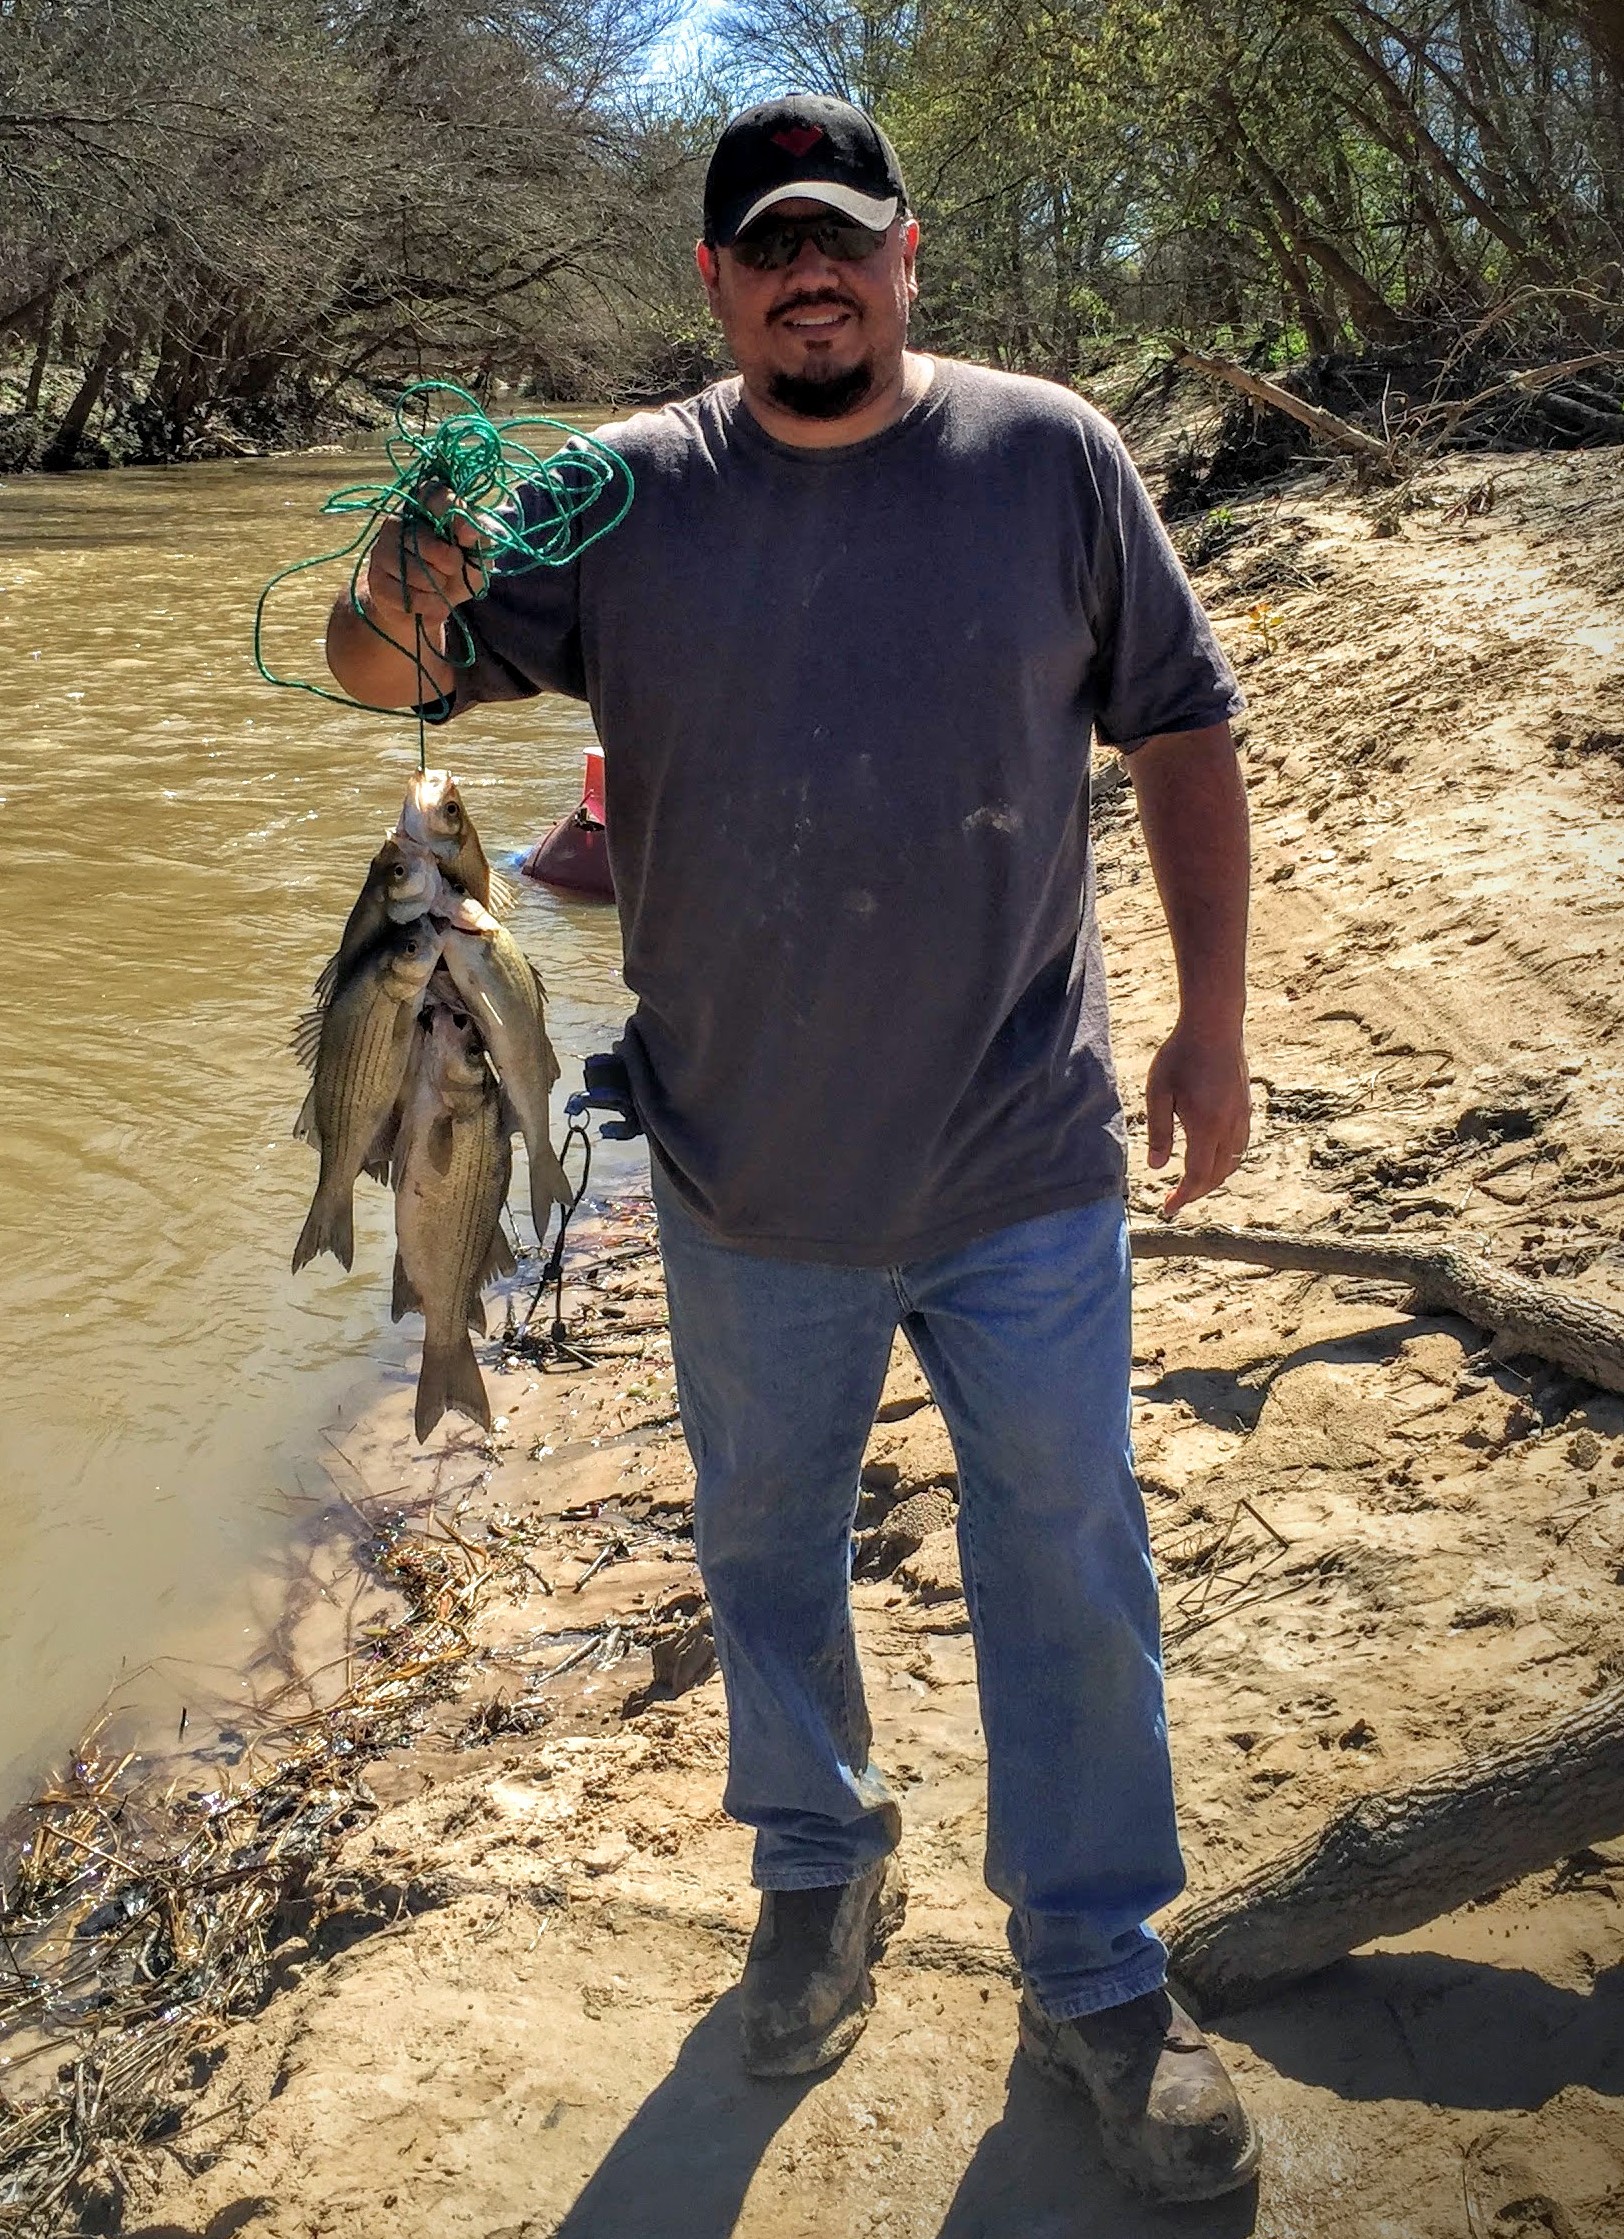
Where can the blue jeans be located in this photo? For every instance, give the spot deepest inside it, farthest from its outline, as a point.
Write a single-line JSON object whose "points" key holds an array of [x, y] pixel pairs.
{"points": [[1024, 1337]]}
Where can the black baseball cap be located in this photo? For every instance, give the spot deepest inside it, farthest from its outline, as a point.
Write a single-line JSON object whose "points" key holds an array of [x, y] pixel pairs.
{"points": [[810, 146]]}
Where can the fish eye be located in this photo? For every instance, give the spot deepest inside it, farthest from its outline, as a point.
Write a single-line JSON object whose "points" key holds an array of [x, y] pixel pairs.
{"points": [[452, 812]]}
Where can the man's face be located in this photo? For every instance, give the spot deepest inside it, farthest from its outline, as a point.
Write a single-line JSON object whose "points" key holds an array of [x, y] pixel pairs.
{"points": [[819, 336]]}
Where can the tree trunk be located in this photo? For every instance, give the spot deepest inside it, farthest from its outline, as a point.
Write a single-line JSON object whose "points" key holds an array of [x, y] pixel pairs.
{"points": [[63, 448], [42, 354], [1294, 274], [1411, 128], [1575, 1332], [1372, 314], [1395, 1860]]}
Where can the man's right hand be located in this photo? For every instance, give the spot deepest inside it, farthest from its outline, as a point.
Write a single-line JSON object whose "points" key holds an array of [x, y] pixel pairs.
{"points": [[415, 571], [392, 654]]}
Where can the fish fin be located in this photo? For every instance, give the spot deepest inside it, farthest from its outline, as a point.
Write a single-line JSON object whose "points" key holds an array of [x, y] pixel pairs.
{"points": [[404, 1299], [326, 982], [305, 1040], [305, 1129], [504, 899], [437, 1143], [498, 1260], [450, 1378], [329, 1227], [379, 1162], [464, 915]]}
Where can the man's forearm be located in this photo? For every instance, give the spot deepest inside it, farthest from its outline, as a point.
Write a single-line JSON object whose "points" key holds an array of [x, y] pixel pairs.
{"points": [[387, 658], [1192, 805]]}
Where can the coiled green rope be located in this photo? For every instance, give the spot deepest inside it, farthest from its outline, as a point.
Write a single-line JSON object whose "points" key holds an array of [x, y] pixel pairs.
{"points": [[525, 509]]}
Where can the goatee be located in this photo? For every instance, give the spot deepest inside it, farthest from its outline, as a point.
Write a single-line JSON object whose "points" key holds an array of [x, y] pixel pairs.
{"points": [[822, 396]]}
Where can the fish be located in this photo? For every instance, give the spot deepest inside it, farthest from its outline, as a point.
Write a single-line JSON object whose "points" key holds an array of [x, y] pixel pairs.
{"points": [[361, 1059], [503, 991], [402, 882], [452, 1163], [435, 817]]}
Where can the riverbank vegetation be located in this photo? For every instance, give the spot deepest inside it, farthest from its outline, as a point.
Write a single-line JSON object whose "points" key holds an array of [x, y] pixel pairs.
{"points": [[221, 223], [222, 228]]}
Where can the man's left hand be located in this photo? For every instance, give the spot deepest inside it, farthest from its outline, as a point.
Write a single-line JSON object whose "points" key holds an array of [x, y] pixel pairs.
{"points": [[1202, 1081]]}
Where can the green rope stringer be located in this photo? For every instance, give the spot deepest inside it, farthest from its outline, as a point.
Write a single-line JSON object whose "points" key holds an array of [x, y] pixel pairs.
{"points": [[481, 472]]}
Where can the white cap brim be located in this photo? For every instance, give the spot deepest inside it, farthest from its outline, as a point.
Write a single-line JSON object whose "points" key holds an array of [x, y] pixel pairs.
{"points": [[876, 214]]}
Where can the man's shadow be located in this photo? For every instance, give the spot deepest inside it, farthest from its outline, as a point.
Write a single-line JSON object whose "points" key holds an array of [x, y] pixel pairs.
{"points": [[684, 2162], [1407, 2026]]}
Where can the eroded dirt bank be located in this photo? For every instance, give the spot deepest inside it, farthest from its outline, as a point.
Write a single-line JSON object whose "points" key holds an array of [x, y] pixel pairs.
{"points": [[1380, 1549]]}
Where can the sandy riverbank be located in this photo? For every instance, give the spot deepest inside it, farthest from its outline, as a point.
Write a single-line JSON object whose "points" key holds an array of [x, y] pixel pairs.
{"points": [[533, 2039]]}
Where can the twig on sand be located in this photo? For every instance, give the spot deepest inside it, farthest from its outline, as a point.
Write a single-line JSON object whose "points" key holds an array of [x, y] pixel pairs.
{"points": [[1573, 1332], [616, 1551]]}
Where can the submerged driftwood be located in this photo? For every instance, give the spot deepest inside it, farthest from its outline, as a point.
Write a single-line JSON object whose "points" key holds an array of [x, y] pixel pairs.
{"points": [[1573, 1332], [1395, 1860]]}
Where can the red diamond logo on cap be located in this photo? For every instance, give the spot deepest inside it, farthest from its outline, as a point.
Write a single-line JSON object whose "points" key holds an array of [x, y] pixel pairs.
{"points": [[797, 138]]}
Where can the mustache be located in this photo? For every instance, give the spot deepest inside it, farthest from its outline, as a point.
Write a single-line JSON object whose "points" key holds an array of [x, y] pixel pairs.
{"points": [[814, 299]]}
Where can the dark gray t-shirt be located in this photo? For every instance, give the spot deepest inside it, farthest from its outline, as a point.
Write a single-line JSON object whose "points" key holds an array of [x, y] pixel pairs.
{"points": [[846, 699]]}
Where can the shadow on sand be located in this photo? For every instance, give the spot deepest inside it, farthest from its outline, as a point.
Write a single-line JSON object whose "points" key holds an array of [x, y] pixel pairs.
{"points": [[683, 2164], [1449, 2032], [1399, 2025]]}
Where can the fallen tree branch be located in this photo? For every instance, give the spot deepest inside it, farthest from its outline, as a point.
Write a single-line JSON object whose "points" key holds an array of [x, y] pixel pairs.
{"points": [[1530, 381], [1395, 1860], [1574, 1332], [1341, 434]]}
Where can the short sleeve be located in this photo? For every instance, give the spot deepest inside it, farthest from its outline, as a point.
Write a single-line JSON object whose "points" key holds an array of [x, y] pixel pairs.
{"points": [[1159, 666]]}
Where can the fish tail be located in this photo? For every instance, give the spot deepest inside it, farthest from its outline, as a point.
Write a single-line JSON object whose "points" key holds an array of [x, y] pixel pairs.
{"points": [[329, 1227], [450, 1378]]}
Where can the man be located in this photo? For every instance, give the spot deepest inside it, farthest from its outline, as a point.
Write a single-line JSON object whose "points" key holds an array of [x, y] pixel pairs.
{"points": [[845, 655]]}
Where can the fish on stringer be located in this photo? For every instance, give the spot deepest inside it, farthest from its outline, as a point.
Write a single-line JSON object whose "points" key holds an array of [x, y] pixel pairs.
{"points": [[429, 1050]]}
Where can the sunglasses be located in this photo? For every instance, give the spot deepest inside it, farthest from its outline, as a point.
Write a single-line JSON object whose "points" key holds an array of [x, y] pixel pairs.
{"points": [[774, 244]]}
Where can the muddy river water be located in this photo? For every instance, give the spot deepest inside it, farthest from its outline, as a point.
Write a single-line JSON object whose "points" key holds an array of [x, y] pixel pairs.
{"points": [[178, 846]]}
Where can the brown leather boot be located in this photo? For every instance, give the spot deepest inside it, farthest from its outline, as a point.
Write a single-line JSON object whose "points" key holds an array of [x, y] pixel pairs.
{"points": [[806, 1991], [1171, 2122]]}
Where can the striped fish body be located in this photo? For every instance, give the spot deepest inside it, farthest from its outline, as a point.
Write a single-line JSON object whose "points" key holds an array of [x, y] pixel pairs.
{"points": [[361, 1063], [500, 986], [452, 1165], [403, 882]]}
